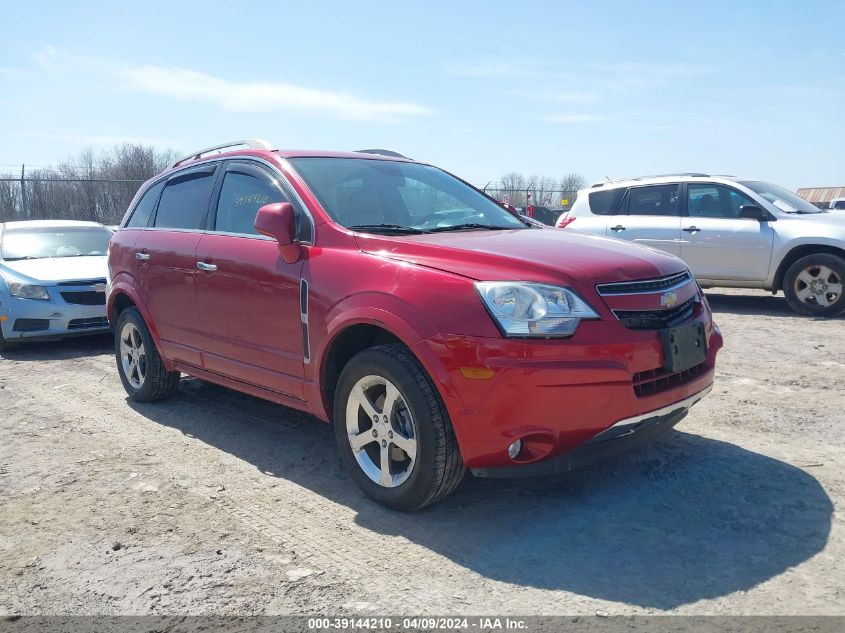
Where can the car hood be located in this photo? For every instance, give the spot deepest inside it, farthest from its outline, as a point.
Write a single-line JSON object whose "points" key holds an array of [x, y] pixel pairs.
{"points": [[546, 255], [58, 269], [830, 224]]}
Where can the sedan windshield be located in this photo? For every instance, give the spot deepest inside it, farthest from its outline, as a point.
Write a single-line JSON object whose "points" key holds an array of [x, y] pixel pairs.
{"points": [[783, 199], [41, 243], [380, 196]]}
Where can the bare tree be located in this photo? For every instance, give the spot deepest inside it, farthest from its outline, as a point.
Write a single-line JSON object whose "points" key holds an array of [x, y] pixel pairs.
{"points": [[544, 192], [573, 181], [9, 200], [513, 187], [88, 186]]}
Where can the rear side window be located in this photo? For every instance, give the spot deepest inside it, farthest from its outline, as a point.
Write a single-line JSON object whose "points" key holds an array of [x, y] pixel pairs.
{"points": [[605, 202], [141, 215], [244, 191], [656, 200], [839, 204], [184, 201]]}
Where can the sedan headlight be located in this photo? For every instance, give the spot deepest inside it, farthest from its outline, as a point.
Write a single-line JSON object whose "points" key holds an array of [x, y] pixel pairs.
{"points": [[529, 309], [28, 291]]}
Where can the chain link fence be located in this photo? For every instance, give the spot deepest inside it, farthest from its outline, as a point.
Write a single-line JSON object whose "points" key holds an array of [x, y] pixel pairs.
{"points": [[98, 200], [545, 206]]}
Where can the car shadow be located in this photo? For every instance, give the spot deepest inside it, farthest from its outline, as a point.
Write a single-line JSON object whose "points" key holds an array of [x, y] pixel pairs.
{"points": [[63, 349], [685, 519], [756, 304]]}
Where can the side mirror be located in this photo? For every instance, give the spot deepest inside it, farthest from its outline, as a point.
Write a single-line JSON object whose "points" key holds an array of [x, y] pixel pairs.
{"points": [[753, 212], [277, 220]]}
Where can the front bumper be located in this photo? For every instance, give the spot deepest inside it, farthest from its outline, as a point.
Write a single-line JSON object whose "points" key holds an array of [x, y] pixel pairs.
{"points": [[555, 395], [620, 437], [30, 320]]}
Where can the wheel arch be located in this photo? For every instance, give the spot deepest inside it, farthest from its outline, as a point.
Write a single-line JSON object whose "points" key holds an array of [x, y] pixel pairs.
{"points": [[347, 341], [796, 253], [123, 296]]}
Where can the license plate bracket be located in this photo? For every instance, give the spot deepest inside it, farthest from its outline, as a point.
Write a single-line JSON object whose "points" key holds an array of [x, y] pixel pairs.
{"points": [[684, 346]]}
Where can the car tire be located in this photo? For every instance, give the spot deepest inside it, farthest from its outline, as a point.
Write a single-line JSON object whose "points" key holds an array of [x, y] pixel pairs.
{"points": [[139, 364], [418, 423], [813, 285]]}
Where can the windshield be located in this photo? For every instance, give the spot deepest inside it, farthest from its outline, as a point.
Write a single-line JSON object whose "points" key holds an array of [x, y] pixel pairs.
{"points": [[381, 196], [40, 243], [783, 199]]}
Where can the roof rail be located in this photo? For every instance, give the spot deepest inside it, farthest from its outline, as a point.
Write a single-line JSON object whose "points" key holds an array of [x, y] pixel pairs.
{"points": [[381, 152], [689, 174], [692, 174], [251, 143]]}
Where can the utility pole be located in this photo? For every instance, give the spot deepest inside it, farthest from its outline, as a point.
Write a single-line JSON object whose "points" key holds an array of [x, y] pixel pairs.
{"points": [[24, 206]]}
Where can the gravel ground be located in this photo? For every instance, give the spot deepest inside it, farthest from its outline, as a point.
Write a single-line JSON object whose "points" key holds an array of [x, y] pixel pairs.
{"points": [[215, 502]]}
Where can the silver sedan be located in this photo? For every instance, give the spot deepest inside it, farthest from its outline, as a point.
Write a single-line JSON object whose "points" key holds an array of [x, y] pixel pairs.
{"points": [[52, 279]]}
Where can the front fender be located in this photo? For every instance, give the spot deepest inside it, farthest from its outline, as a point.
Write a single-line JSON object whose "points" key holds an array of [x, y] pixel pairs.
{"points": [[394, 316], [786, 248]]}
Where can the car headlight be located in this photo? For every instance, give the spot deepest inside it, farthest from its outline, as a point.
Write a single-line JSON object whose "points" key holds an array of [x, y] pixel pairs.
{"points": [[28, 291], [530, 309]]}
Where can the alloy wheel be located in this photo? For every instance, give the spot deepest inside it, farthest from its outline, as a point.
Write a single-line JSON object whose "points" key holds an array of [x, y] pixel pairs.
{"points": [[381, 431], [133, 356]]}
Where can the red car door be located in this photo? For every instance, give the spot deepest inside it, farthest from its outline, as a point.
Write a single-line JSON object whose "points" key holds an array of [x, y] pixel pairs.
{"points": [[165, 255], [248, 297]]}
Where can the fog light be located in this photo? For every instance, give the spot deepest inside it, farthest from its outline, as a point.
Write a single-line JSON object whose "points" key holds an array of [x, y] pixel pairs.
{"points": [[513, 449]]}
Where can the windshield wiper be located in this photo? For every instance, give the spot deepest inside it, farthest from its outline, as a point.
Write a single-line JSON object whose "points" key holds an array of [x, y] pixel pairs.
{"points": [[385, 228], [16, 259], [470, 226]]}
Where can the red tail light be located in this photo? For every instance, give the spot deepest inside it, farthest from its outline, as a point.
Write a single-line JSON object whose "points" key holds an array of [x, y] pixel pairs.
{"points": [[563, 222]]}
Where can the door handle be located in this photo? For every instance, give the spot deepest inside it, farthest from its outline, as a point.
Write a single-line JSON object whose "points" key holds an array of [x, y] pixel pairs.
{"points": [[142, 256], [206, 266], [618, 227], [692, 229]]}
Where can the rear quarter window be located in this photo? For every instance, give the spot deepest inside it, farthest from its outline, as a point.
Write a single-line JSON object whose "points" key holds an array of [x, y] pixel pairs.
{"points": [[184, 201], [141, 214], [606, 202]]}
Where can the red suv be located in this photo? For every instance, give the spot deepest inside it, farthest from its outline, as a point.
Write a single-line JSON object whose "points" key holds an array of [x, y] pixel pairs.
{"points": [[436, 330]]}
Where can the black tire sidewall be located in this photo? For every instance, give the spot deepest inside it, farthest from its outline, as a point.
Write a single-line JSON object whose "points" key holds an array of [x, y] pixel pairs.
{"points": [[413, 492], [821, 259]]}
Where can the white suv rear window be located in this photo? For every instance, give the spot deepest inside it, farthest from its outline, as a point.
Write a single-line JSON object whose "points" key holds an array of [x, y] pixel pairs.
{"points": [[605, 202]]}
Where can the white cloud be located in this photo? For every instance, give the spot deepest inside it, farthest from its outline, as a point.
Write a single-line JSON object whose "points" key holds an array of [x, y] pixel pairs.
{"points": [[575, 97], [185, 84], [255, 96], [495, 70], [575, 117]]}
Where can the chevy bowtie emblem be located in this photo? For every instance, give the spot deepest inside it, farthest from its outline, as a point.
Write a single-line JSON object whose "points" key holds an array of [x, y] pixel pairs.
{"points": [[99, 287], [669, 300]]}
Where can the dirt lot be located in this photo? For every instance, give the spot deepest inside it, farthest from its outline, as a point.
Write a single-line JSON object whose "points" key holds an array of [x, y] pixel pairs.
{"points": [[216, 502]]}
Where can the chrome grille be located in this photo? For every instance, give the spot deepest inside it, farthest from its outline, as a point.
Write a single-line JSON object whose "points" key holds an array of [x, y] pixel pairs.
{"points": [[83, 282], [643, 286], [85, 324]]}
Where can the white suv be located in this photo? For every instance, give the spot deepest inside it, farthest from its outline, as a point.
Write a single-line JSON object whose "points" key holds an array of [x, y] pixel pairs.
{"points": [[731, 233]]}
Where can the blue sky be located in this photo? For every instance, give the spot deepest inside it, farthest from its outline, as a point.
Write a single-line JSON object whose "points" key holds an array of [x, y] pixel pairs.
{"points": [[602, 88]]}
